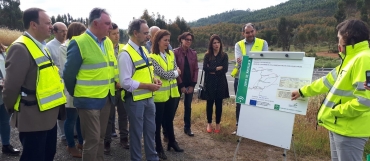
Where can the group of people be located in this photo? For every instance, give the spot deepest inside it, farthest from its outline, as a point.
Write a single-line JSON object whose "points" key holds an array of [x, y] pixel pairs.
{"points": [[84, 73]]}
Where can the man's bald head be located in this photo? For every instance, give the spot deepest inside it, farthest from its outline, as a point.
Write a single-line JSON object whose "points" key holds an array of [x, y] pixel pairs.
{"points": [[152, 31], [60, 31]]}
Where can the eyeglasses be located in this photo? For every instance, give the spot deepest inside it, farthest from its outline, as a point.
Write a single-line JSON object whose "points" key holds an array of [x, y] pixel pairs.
{"points": [[190, 40]]}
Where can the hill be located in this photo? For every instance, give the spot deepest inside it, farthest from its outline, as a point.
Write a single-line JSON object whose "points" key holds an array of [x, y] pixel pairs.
{"points": [[289, 8]]}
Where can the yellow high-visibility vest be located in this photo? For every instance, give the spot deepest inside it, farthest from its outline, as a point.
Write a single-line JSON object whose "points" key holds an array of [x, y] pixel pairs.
{"points": [[346, 108], [49, 87], [97, 75], [169, 87], [143, 73], [257, 46]]}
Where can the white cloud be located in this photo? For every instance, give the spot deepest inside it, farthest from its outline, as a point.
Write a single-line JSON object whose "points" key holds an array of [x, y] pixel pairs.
{"points": [[123, 11]]}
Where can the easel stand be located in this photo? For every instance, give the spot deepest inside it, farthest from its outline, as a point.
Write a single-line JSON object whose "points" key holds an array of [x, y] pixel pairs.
{"points": [[270, 126]]}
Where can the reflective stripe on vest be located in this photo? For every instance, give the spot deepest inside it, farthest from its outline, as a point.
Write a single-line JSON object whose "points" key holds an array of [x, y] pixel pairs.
{"points": [[143, 73], [169, 87], [49, 86], [97, 75]]}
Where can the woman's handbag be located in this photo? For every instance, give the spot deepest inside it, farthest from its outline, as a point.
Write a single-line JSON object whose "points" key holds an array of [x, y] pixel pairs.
{"points": [[202, 89]]}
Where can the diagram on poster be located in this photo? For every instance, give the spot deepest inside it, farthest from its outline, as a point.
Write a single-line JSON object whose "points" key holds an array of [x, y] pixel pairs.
{"points": [[268, 83]]}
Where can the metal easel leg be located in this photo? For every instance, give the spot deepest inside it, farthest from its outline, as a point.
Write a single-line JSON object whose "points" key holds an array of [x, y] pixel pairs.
{"points": [[285, 157], [237, 148]]}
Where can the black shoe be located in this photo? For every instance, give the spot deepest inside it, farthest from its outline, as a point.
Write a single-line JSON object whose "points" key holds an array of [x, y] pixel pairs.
{"points": [[188, 132], [175, 147], [124, 143], [9, 150], [107, 148], [160, 153]]}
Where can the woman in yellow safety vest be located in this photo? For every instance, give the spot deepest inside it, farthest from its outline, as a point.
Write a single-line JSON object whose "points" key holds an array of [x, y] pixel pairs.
{"points": [[165, 68], [345, 112]]}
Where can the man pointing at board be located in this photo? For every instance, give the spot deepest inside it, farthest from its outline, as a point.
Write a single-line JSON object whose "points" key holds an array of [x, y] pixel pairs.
{"points": [[242, 48]]}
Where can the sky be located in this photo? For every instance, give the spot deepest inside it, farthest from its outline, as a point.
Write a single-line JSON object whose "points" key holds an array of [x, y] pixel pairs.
{"points": [[123, 11]]}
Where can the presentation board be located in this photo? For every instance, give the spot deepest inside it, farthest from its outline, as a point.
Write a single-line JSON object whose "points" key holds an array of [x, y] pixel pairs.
{"points": [[266, 81]]}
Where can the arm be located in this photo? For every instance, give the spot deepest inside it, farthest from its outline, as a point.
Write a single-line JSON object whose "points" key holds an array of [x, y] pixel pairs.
{"points": [[179, 80], [206, 66], [54, 55], [72, 66], [62, 54], [17, 64], [361, 103], [196, 70], [320, 86], [159, 71], [238, 52], [125, 67], [265, 46], [225, 64]]}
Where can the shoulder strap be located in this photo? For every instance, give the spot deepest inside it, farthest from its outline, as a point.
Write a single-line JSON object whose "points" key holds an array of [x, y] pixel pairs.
{"points": [[201, 78]]}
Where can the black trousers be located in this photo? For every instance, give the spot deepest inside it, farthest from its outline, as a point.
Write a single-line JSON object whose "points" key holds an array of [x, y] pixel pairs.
{"points": [[39, 145], [218, 103], [165, 113], [237, 111]]}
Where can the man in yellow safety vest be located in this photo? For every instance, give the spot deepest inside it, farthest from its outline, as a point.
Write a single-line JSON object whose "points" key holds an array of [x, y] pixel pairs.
{"points": [[90, 76], [242, 48], [33, 89]]}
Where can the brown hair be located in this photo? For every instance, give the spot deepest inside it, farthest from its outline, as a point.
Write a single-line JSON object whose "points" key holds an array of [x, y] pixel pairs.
{"points": [[353, 31], [184, 35], [209, 52], [75, 29], [157, 37], [2, 48]]}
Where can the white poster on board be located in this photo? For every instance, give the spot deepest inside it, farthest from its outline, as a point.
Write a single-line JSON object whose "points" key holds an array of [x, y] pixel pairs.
{"points": [[270, 83]]}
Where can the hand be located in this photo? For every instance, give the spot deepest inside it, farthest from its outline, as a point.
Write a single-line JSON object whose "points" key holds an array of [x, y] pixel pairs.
{"points": [[178, 70], [295, 95], [190, 90], [366, 87], [118, 86], [157, 81], [153, 87], [239, 60], [219, 68], [183, 90]]}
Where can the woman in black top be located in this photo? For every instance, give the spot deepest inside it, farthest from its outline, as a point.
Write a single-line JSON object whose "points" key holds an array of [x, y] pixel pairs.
{"points": [[215, 65]]}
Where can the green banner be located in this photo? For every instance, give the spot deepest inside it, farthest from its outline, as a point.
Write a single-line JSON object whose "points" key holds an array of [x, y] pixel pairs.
{"points": [[244, 75]]}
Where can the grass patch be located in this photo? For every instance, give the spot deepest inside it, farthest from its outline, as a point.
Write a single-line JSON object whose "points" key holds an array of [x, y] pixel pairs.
{"points": [[307, 140], [8, 36]]}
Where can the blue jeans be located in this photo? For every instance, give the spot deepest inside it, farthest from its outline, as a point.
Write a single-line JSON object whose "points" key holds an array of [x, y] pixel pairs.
{"points": [[4, 125], [69, 126]]}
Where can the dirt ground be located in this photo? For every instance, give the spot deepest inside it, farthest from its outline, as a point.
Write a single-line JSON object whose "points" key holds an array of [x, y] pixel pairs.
{"points": [[201, 147], [326, 54]]}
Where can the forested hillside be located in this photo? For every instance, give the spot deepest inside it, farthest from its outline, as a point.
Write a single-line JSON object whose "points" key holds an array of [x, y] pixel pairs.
{"points": [[327, 8]]}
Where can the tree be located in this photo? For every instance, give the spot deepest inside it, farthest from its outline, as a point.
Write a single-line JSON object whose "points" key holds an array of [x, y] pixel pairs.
{"points": [[340, 13], [11, 14], [285, 28], [149, 19], [364, 16]]}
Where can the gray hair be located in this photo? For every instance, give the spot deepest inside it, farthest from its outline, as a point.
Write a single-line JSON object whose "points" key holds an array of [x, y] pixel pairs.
{"points": [[95, 14], [152, 28], [248, 25], [135, 25]]}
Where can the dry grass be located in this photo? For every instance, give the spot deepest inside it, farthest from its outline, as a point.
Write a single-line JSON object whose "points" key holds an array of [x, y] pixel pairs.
{"points": [[308, 142], [8, 36]]}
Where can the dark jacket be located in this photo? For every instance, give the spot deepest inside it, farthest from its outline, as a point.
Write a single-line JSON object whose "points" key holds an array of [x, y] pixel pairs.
{"points": [[193, 63]]}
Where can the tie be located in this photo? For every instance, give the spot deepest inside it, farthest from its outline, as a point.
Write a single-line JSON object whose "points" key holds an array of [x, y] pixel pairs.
{"points": [[143, 55]]}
